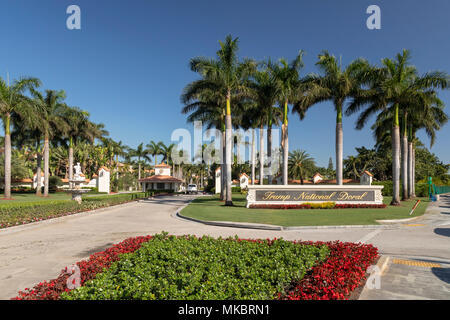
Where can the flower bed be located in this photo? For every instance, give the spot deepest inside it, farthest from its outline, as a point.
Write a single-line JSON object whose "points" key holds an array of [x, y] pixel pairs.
{"points": [[18, 213], [332, 277], [337, 277], [322, 205]]}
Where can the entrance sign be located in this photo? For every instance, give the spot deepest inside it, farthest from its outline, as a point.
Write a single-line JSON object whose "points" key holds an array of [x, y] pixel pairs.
{"points": [[298, 194]]}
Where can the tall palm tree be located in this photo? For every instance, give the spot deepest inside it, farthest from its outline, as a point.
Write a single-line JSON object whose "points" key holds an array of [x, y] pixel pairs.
{"points": [[288, 78], [396, 86], [266, 92], [300, 164], [52, 123], [207, 106], [227, 76], [155, 148], [335, 84], [12, 101]]}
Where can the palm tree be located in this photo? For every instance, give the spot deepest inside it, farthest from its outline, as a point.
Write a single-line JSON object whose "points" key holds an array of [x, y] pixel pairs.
{"points": [[227, 76], [290, 90], [266, 91], [396, 85], [300, 164], [79, 129], [207, 106], [154, 149], [335, 84], [13, 102], [139, 153], [52, 123]]}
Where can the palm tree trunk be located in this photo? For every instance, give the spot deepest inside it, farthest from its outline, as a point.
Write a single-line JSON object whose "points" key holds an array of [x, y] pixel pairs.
{"points": [[285, 145], [339, 147], [229, 135], [404, 167], [404, 159], [410, 172], [269, 153], [46, 164], [223, 170], [253, 155], [413, 169], [70, 162], [7, 157], [261, 155], [396, 160], [38, 174]]}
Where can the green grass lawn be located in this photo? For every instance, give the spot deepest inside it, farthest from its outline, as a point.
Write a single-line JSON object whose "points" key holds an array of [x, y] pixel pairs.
{"points": [[27, 197], [212, 209]]}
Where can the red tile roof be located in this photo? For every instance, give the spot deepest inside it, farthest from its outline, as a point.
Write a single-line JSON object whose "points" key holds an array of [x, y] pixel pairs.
{"points": [[160, 178], [162, 165]]}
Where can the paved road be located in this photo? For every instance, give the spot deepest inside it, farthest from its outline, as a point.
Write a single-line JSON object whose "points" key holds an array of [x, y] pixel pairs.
{"points": [[36, 252]]}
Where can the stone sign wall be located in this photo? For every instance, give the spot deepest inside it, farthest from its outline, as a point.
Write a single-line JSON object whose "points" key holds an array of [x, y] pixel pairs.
{"points": [[298, 194]]}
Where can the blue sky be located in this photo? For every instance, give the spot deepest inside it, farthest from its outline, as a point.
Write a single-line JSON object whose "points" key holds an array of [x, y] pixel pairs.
{"points": [[129, 62]]}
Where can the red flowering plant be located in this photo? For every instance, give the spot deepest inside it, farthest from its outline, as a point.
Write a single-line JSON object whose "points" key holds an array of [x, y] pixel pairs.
{"points": [[334, 279]]}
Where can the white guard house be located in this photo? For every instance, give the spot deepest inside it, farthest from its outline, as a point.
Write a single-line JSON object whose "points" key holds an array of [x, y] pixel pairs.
{"points": [[103, 180], [162, 180], [366, 178], [218, 184], [243, 181], [317, 178]]}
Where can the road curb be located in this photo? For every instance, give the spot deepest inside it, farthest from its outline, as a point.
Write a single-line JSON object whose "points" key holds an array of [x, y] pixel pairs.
{"points": [[399, 220], [232, 224], [275, 227]]}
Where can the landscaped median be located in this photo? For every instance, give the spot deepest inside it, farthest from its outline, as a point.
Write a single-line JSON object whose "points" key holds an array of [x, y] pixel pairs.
{"points": [[314, 214], [18, 213], [186, 267]]}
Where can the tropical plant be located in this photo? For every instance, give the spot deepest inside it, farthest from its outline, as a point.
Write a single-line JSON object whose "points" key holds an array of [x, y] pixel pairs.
{"points": [[335, 84], [301, 164], [13, 102]]}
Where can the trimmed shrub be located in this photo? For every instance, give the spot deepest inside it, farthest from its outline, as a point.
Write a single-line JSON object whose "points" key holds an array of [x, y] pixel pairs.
{"points": [[17, 213]]}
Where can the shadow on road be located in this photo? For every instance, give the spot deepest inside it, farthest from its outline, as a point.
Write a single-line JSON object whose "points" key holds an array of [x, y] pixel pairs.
{"points": [[94, 250], [442, 273], [442, 232]]}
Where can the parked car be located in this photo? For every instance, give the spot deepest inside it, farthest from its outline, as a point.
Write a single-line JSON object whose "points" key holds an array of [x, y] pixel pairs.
{"points": [[192, 188]]}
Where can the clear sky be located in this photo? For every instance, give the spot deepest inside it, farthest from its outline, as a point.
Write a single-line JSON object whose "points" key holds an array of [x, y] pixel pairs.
{"points": [[129, 62]]}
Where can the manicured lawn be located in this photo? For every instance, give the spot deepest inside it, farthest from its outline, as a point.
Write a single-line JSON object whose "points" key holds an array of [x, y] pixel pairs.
{"points": [[27, 197], [212, 209]]}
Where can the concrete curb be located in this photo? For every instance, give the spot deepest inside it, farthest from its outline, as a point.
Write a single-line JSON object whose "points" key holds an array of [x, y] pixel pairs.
{"points": [[36, 224], [399, 220], [274, 227], [232, 224]]}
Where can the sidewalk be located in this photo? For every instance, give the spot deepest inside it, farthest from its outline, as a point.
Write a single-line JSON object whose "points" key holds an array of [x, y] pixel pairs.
{"points": [[412, 279]]}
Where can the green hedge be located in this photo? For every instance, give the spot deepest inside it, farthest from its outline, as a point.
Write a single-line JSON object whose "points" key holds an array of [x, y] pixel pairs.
{"points": [[185, 268], [421, 188], [16, 213]]}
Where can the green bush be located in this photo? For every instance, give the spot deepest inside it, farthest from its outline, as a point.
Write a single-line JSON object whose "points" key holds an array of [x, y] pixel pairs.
{"points": [[185, 268], [53, 183], [16, 213], [236, 190], [387, 191]]}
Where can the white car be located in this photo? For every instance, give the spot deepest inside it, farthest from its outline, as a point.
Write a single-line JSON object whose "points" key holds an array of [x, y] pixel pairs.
{"points": [[192, 188]]}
